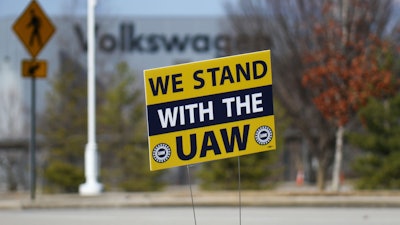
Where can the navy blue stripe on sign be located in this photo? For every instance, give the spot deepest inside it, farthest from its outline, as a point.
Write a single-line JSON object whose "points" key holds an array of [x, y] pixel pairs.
{"points": [[210, 110]]}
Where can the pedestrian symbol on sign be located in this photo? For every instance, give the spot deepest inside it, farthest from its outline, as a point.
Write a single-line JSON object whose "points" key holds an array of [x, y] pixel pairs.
{"points": [[35, 24]]}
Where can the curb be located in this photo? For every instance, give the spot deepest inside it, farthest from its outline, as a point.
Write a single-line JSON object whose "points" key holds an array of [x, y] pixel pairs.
{"points": [[223, 198]]}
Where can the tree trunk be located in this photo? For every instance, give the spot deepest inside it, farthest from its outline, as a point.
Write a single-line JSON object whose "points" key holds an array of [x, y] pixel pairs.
{"points": [[321, 177], [319, 146], [338, 159], [12, 183]]}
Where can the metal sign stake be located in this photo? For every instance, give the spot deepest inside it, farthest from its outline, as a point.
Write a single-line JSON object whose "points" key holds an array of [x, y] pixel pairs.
{"points": [[32, 145], [191, 195]]}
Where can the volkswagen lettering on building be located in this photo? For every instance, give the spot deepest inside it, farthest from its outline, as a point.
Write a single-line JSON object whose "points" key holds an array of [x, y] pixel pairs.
{"points": [[129, 39]]}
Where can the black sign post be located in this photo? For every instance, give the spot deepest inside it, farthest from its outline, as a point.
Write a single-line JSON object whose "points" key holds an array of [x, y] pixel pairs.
{"points": [[34, 29]]}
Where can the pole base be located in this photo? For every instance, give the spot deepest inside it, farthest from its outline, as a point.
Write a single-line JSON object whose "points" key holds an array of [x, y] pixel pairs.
{"points": [[90, 188]]}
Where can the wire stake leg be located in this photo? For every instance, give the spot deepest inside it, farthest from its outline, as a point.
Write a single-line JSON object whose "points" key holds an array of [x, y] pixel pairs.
{"points": [[191, 195]]}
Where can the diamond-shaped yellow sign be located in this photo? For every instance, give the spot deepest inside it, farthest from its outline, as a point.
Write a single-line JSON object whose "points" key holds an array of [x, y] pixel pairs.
{"points": [[34, 28]]}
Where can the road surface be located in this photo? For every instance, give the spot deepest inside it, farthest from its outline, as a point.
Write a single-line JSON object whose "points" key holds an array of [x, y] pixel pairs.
{"points": [[204, 216]]}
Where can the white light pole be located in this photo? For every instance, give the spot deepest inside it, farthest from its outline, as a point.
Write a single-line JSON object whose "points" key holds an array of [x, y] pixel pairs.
{"points": [[91, 186]]}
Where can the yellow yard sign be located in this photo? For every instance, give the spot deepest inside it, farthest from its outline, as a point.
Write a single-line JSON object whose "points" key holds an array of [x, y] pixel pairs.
{"points": [[209, 110], [34, 28]]}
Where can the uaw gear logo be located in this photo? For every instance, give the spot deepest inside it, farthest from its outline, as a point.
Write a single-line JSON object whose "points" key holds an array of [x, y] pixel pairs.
{"points": [[263, 135], [161, 153]]}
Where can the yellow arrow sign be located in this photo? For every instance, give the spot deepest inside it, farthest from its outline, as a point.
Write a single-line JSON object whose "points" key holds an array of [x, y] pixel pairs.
{"points": [[33, 28], [34, 68]]}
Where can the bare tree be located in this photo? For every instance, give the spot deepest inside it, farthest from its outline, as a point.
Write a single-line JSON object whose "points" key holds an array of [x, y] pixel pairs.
{"points": [[283, 23], [287, 28], [11, 110], [12, 123]]}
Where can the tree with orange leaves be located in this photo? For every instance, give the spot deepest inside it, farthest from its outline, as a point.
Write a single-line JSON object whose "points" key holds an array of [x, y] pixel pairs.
{"points": [[309, 39], [345, 67]]}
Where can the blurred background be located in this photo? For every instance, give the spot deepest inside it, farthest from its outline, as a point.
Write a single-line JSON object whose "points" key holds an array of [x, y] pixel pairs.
{"points": [[336, 71]]}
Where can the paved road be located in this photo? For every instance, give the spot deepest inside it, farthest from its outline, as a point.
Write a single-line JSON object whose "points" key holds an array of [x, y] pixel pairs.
{"points": [[204, 216]]}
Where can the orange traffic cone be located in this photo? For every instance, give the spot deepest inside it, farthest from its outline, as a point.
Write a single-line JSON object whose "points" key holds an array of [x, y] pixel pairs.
{"points": [[342, 178], [300, 178]]}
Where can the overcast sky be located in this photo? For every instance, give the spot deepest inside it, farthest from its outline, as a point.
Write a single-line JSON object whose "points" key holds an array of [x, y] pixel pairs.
{"points": [[121, 7]]}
